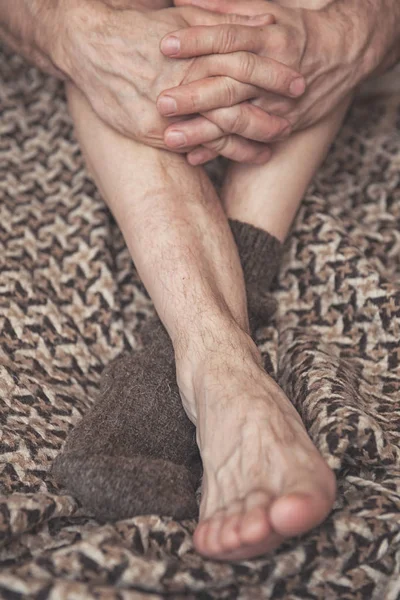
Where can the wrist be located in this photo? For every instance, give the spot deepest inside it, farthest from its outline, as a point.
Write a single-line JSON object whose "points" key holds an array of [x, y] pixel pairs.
{"points": [[75, 24], [62, 23], [27, 26], [48, 18]]}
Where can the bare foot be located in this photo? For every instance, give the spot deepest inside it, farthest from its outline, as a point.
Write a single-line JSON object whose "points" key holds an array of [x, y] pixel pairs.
{"points": [[264, 480]]}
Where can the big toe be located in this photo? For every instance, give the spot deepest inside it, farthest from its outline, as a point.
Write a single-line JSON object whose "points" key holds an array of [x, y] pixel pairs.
{"points": [[298, 512], [260, 527]]}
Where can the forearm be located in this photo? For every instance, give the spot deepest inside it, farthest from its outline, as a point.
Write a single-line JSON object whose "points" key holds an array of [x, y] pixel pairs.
{"points": [[32, 28], [29, 27]]}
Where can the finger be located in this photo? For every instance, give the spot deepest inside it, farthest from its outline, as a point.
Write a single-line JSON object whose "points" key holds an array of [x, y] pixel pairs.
{"points": [[276, 105], [217, 39], [245, 67], [237, 149], [263, 72], [191, 133], [249, 121], [244, 119], [206, 94], [200, 156], [241, 7], [198, 16]]}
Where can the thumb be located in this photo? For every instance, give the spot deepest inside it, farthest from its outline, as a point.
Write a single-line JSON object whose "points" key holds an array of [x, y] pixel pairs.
{"points": [[239, 7]]}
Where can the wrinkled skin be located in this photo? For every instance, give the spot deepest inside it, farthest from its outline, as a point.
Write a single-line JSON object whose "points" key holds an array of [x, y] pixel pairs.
{"points": [[118, 65]]}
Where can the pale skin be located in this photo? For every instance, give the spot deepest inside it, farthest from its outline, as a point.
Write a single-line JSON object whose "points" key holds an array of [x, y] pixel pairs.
{"points": [[110, 50], [334, 44], [264, 480]]}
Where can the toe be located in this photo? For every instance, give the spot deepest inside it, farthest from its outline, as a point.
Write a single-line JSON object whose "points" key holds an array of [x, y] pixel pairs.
{"points": [[294, 514], [253, 550], [207, 536], [213, 540], [255, 526], [230, 533]]}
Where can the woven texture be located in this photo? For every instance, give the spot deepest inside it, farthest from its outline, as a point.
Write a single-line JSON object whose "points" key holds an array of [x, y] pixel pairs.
{"points": [[70, 301]]}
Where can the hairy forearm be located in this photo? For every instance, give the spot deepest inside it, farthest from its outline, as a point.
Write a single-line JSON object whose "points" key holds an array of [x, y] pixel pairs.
{"points": [[371, 30], [27, 26], [33, 27]]}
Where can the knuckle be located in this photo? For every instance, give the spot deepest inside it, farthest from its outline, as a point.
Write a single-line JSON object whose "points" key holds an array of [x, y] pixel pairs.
{"points": [[237, 120], [227, 38], [280, 44], [286, 47], [229, 91], [247, 64], [195, 100], [272, 80], [219, 145], [234, 19], [192, 42]]}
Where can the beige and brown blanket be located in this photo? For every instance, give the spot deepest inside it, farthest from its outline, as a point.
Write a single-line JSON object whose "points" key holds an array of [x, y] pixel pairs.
{"points": [[70, 301]]}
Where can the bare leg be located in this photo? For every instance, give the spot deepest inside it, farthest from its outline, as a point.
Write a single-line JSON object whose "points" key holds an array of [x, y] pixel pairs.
{"points": [[264, 479], [258, 487], [269, 196], [175, 229]]}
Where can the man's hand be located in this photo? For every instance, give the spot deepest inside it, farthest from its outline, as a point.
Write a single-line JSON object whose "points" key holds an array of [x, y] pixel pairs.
{"points": [[110, 49], [327, 48], [114, 58]]}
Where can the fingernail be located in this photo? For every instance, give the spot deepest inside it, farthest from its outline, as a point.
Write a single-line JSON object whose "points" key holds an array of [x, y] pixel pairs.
{"points": [[297, 86], [170, 45], [167, 106], [175, 139]]}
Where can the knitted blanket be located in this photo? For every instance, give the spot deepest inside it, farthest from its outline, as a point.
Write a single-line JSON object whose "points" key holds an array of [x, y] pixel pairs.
{"points": [[70, 301]]}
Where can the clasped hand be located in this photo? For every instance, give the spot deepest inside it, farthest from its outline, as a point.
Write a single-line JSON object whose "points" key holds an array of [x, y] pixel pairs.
{"points": [[248, 105], [114, 57]]}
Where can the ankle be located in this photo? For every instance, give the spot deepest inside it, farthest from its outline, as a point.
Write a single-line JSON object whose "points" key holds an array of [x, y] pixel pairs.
{"points": [[219, 348], [208, 335]]}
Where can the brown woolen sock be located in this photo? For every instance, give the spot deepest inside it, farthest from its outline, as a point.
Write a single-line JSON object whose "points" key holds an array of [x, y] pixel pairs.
{"points": [[260, 256], [135, 451]]}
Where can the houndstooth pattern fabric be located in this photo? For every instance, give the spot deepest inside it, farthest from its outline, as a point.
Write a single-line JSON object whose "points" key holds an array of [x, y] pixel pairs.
{"points": [[70, 301]]}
